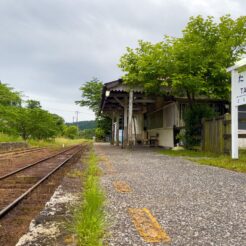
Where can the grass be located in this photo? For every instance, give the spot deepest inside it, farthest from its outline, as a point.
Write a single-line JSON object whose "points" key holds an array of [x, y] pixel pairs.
{"points": [[211, 159], [187, 153], [8, 138], [54, 143], [225, 162], [88, 219], [57, 142]]}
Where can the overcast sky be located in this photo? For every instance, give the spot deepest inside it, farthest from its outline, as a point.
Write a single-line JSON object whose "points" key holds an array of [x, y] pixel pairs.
{"points": [[49, 48]]}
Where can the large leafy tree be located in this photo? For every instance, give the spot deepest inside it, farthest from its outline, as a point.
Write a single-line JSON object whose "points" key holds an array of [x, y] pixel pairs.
{"points": [[204, 52], [43, 124], [91, 97], [9, 97], [28, 122], [193, 65], [33, 104], [149, 65]]}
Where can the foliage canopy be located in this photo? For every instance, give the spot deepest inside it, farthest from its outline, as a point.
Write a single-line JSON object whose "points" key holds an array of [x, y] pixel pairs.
{"points": [[193, 65], [9, 97], [91, 97], [27, 122]]}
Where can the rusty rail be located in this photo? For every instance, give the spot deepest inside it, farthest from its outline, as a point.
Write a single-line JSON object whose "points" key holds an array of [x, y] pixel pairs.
{"points": [[13, 204], [35, 163], [21, 151]]}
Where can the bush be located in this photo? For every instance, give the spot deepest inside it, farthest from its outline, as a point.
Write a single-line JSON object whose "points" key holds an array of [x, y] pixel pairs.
{"points": [[71, 132], [193, 123], [87, 133], [100, 133]]}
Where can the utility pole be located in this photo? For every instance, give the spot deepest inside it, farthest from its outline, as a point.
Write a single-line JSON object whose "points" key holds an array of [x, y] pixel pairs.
{"points": [[77, 119]]}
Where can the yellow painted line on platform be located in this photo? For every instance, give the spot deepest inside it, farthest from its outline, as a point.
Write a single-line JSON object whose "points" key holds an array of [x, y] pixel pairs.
{"points": [[122, 186], [147, 226]]}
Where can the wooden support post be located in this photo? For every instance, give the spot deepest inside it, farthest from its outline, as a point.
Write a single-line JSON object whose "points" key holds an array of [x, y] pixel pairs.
{"points": [[130, 139], [112, 134], [117, 130], [125, 136]]}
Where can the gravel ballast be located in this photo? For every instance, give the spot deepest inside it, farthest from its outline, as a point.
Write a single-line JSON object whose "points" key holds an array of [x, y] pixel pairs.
{"points": [[194, 204]]}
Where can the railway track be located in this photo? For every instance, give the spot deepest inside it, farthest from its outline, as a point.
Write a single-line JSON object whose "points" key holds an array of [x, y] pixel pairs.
{"points": [[18, 184], [20, 152]]}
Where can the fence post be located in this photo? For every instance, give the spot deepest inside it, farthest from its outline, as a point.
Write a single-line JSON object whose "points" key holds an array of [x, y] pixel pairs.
{"points": [[227, 132], [203, 135]]}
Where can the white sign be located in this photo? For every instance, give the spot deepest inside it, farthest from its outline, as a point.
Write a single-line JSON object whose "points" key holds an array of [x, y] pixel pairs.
{"points": [[240, 89], [238, 97]]}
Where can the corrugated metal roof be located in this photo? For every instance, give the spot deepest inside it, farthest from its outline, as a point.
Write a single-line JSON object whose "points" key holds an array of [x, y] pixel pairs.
{"points": [[125, 88], [117, 85]]}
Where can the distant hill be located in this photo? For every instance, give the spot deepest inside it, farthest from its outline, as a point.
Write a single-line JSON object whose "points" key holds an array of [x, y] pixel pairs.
{"points": [[90, 124]]}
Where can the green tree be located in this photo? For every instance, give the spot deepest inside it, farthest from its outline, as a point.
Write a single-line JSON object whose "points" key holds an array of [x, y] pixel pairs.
{"points": [[71, 132], [104, 123], [29, 122], [87, 133], [100, 133], [149, 65], [204, 52], [59, 123], [33, 104], [193, 65], [91, 97], [8, 118], [9, 97], [43, 124]]}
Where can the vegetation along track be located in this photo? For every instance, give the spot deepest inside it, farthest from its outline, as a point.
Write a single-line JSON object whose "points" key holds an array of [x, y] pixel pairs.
{"points": [[17, 185]]}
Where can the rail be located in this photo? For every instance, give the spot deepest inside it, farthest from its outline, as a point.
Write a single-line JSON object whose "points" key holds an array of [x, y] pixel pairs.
{"points": [[21, 151], [13, 204], [35, 163]]}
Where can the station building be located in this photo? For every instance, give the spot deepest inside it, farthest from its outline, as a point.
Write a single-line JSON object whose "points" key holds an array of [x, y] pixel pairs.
{"points": [[140, 118]]}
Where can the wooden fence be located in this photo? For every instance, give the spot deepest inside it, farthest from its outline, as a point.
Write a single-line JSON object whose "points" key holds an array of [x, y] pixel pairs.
{"points": [[216, 134]]}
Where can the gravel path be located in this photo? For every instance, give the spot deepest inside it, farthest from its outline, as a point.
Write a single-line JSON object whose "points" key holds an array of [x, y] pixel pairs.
{"points": [[195, 204]]}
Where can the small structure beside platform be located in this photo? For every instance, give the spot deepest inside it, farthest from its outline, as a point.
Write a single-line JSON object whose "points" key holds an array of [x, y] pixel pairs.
{"points": [[141, 118]]}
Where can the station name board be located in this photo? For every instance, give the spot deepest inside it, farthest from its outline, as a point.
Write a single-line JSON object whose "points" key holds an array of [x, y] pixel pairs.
{"points": [[240, 89]]}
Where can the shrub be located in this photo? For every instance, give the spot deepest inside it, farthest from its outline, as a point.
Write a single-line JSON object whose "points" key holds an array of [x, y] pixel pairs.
{"points": [[100, 133], [193, 123], [71, 132]]}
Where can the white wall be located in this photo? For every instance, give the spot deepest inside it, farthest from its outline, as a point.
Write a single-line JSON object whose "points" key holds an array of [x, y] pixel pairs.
{"points": [[170, 115], [139, 123], [242, 141], [165, 136]]}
